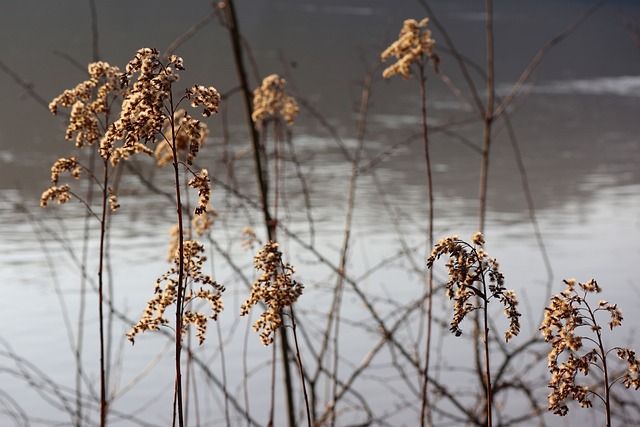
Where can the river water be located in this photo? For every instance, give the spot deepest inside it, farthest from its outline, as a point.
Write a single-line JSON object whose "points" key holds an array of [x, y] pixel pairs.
{"points": [[576, 126]]}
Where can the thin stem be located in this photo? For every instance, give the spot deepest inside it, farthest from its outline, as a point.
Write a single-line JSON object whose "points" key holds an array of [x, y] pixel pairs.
{"points": [[223, 366], [83, 292], [234, 34], [334, 315], [304, 386], [273, 386], [103, 228], [488, 116], [605, 372], [486, 353], [425, 412], [181, 276]]}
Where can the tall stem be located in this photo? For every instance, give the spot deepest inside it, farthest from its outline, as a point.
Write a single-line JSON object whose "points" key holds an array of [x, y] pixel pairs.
{"points": [[486, 354], [234, 33], [304, 386], [605, 371], [103, 228], [488, 116], [484, 177], [425, 414], [180, 290]]}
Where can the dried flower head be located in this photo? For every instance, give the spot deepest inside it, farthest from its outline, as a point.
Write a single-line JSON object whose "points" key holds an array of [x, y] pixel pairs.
{"points": [[201, 182], [275, 287], [271, 102], [567, 312], [62, 194], [190, 135], [142, 116], [65, 165], [412, 45], [113, 200], [88, 100], [472, 273], [206, 96], [90, 103], [209, 290]]}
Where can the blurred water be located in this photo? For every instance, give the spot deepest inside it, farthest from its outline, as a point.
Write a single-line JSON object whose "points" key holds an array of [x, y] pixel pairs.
{"points": [[576, 126]]}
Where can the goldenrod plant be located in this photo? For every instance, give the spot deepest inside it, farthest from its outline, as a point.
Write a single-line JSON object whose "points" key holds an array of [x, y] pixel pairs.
{"points": [[414, 49], [91, 103], [147, 113], [571, 325], [278, 291], [472, 273]]}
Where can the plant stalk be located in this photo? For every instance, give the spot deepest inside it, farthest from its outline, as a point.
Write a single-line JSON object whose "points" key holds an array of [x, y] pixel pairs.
{"points": [[234, 33], [425, 412]]}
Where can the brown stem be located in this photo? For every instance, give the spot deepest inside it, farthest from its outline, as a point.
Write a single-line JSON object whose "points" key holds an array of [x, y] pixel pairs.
{"points": [[605, 372], [425, 411], [302, 377], [181, 278], [273, 387], [487, 364], [488, 116], [234, 33], [103, 228]]}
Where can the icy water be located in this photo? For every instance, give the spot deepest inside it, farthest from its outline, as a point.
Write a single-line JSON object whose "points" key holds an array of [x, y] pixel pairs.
{"points": [[576, 124]]}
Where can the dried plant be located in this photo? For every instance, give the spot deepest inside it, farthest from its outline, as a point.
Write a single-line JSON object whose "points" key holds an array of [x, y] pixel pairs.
{"points": [[209, 290], [150, 113], [566, 313], [190, 137], [473, 274], [415, 46], [91, 103], [275, 288], [469, 267], [270, 101], [412, 46]]}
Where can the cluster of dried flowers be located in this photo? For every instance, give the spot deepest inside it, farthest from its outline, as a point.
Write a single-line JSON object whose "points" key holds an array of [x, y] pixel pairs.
{"points": [[147, 113], [412, 45], [469, 269], [275, 287], [189, 136], [90, 102], [270, 101], [567, 312], [209, 290], [144, 108]]}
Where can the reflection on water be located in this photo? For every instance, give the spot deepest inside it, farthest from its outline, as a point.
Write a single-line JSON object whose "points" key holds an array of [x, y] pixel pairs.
{"points": [[576, 126]]}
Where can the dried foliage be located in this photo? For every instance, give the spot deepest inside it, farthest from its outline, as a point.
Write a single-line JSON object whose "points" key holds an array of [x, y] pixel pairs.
{"points": [[469, 267], [412, 45], [275, 288], [190, 136], [208, 290], [566, 314], [201, 182], [270, 101]]}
